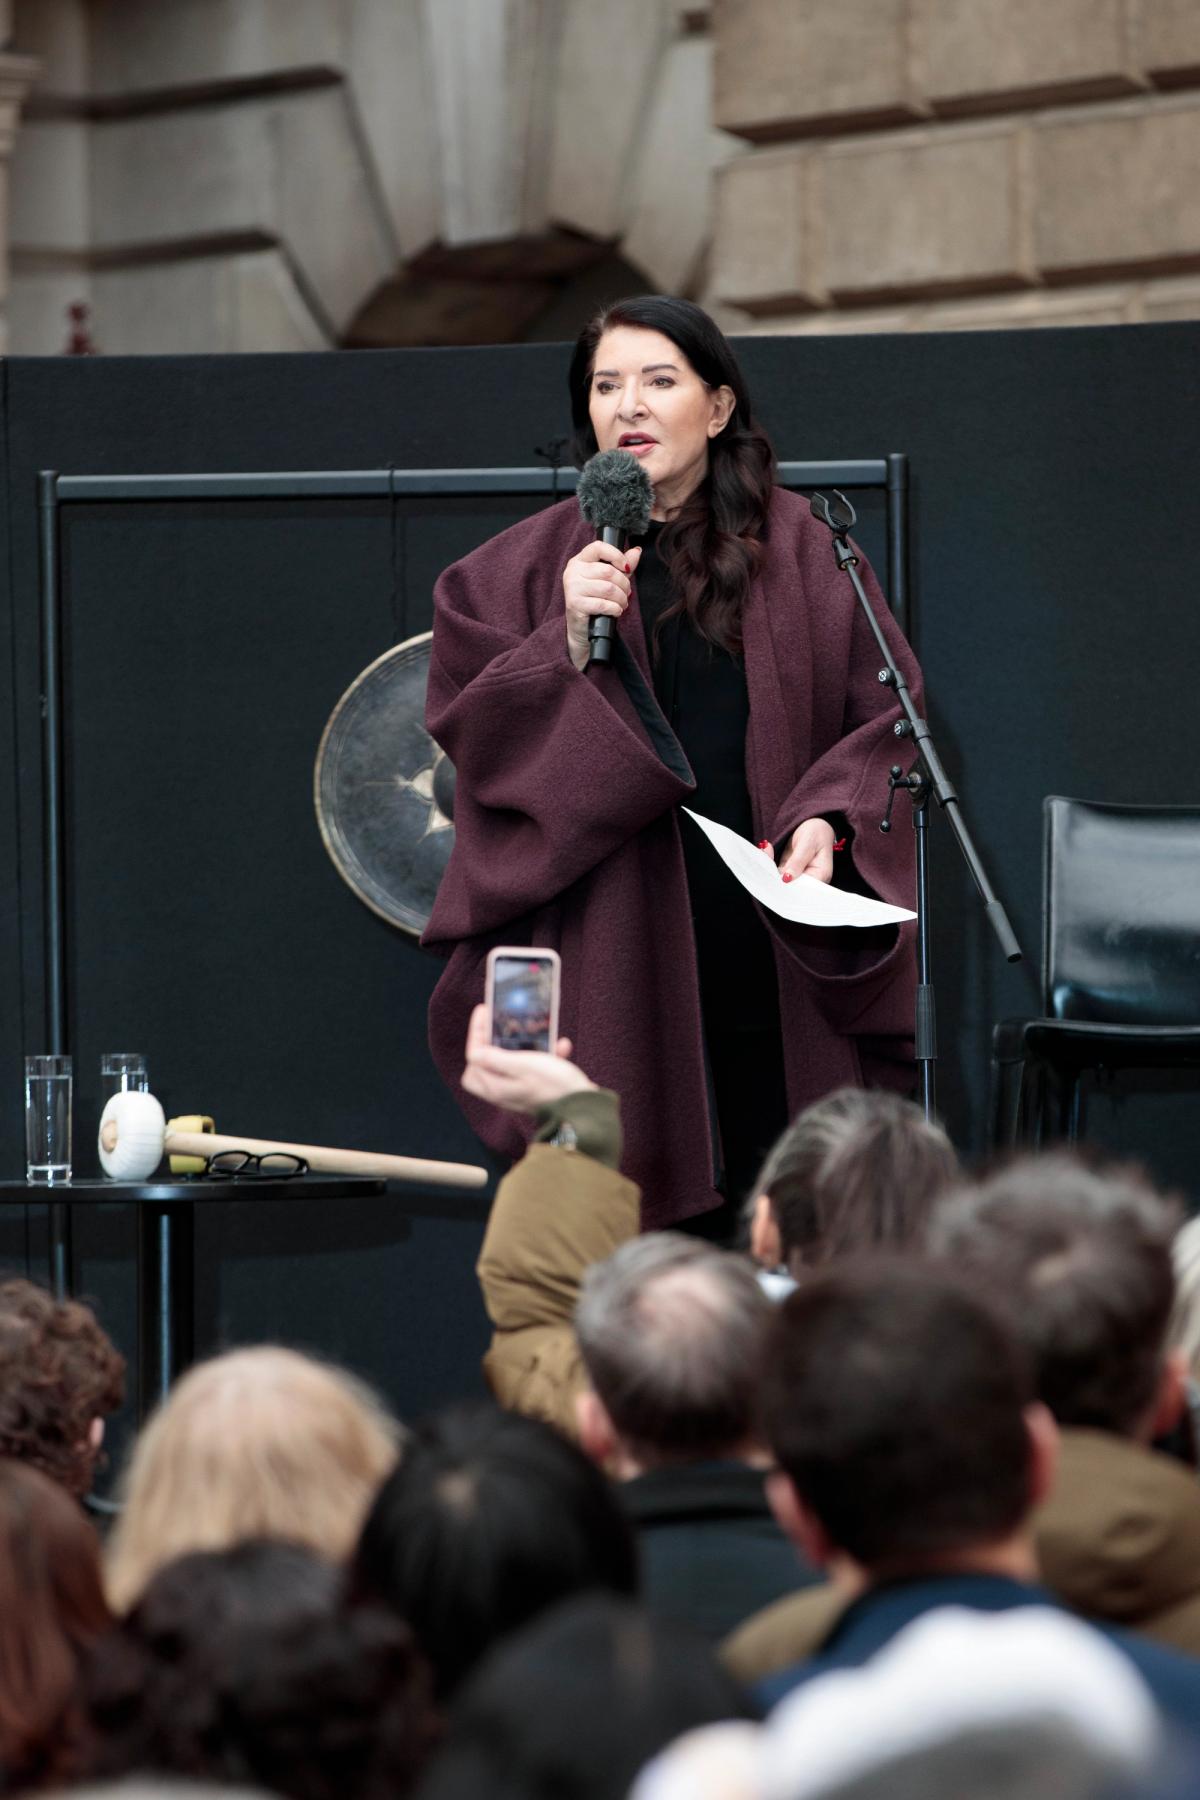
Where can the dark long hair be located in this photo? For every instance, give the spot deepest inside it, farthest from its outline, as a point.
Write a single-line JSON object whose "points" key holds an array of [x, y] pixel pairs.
{"points": [[489, 1519], [712, 545]]}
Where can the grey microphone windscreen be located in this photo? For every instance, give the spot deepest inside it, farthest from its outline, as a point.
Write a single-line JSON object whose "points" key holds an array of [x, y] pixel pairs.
{"points": [[614, 490]]}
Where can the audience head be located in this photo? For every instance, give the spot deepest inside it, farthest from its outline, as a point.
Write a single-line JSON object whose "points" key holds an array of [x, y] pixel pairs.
{"points": [[1080, 1259], [489, 1519], [571, 1707], [671, 1333], [856, 1172], [244, 1665], [60, 1377], [262, 1442], [897, 1405], [52, 1611]]}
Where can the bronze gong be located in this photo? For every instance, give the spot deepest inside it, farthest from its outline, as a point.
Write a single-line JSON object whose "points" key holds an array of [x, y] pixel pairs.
{"points": [[384, 792]]}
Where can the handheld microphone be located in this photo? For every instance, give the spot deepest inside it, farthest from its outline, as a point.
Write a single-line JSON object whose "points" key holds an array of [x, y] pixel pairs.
{"points": [[616, 497]]}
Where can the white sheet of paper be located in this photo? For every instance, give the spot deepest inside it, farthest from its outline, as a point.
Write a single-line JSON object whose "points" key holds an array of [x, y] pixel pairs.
{"points": [[805, 900]]}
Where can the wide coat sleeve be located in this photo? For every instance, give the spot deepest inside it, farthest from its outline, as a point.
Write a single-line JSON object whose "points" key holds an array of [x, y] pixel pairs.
{"points": [[849, 777], [823, 740], [554, 768]]}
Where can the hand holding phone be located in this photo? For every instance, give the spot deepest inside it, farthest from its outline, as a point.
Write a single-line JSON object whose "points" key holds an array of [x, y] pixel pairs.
{"points": [[522, 997], [518, 1081]]}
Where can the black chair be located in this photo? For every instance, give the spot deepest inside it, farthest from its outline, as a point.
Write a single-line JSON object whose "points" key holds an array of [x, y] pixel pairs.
{"points": [[1120, 963]]}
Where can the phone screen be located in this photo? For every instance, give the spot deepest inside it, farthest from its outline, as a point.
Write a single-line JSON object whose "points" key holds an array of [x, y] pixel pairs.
{"points": [[522, 1002]]}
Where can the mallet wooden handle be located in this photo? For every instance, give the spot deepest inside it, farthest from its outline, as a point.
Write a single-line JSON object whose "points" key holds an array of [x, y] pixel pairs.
{"points": [[418, 1170]]}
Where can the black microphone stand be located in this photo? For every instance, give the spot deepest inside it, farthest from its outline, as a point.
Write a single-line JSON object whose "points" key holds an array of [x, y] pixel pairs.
{"points": [[926, 777]]}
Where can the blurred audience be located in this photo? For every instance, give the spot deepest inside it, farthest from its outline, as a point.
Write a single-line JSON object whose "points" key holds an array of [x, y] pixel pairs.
{"points": [[651, 1344], [262, 1442], [857, 1171], [952, 1415], [1081, 1261], [1024, 1705], [489, 1519], [911, 1452], [244, 1665], [574, 1705], [60, 1378], [52, 1613]]}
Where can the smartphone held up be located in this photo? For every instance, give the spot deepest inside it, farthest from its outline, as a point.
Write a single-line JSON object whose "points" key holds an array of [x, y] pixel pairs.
{"points": [[522, 997]]}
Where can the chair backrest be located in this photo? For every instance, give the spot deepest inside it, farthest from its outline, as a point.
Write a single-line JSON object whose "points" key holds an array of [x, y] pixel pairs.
{"points": [[1121, 913]]}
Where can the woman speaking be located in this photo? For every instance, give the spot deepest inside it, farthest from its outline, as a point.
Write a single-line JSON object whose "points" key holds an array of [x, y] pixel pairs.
{"points": [[744, 686]]}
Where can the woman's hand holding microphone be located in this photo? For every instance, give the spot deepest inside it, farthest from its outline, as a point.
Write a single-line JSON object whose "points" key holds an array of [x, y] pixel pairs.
{"points": [[595, 581]]}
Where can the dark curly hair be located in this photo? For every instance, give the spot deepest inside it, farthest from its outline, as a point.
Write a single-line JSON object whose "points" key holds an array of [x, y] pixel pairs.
{"points": [[242, 1666], [712, 544], [58, 1372]]}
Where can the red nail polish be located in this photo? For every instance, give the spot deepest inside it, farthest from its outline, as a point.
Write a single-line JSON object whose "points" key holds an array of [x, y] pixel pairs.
{"points": [[764, 843], [841, 844], [787, 878]]}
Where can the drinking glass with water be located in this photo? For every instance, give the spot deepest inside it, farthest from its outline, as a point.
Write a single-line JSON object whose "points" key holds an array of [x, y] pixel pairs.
{"points": [[48, 1119], [122, 1071]]}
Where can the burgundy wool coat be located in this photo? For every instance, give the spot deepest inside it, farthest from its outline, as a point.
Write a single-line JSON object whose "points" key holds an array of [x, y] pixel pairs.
{"points": [[567, 834]]}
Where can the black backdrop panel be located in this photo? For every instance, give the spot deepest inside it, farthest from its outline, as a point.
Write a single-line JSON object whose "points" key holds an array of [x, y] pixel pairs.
{"points": [[1053, 534]]}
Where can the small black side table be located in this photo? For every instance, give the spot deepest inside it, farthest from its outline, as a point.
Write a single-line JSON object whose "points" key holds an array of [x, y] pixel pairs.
{"points": [[165, 1251]]}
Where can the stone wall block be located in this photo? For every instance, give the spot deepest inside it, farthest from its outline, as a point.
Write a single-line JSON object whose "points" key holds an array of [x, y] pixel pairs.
{"points": [[1177, 297], [786, 68], [609, 61], [387, 64], [1118, 187], [288, 169], [56, 32], [139, 45], [1166, 36], [37, 305], [990, 54], [669, 217], [50, 201], [766, 248], [217, 306], [930, 211]]}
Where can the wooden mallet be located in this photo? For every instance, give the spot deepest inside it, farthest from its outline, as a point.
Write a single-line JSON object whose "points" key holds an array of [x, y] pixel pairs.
{"points": [[135, 1136]]}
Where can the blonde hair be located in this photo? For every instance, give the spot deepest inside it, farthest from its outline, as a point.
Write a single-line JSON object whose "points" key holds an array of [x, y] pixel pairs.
{"points": [[1184, 1330], [262, 1442]]}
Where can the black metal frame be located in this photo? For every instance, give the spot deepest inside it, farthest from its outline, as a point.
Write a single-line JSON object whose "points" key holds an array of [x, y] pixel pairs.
{"points": [[56, 491]]}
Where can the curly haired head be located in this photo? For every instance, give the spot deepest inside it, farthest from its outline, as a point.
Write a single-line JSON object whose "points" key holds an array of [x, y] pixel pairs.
{"points": [[58, 1373], [243, 1666]]}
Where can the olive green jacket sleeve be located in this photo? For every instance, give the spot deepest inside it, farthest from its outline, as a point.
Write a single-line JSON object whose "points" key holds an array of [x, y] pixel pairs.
{"points": [[556, 1212]]}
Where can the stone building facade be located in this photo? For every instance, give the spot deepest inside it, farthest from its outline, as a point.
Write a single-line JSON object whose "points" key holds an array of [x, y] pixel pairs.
{"points": [[228, 175], [934, 164], [223, 175]]}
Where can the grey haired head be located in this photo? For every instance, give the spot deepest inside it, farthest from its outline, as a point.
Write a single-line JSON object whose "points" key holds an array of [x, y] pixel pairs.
{"points": [[615, 490]]}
